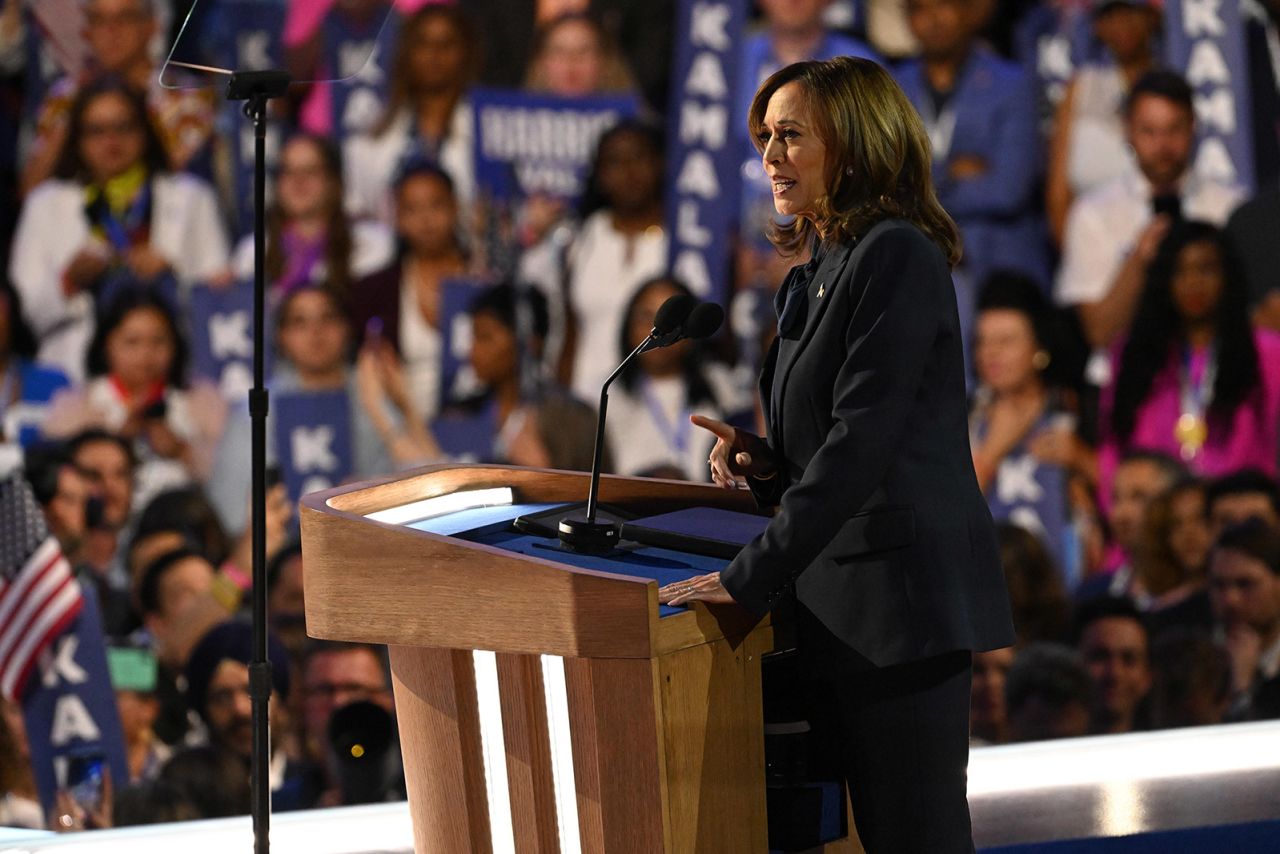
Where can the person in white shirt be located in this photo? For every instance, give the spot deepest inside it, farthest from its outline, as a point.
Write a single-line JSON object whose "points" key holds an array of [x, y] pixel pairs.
{"points": [[1113, 232], [648, 426], [310, 238], [427, 113], [111, 213]]}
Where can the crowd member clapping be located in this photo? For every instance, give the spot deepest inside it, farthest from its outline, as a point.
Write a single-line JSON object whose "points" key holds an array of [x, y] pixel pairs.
{"points": [[1194, 379], [427, 112], [112, 218], [310, 238], [1088, 145]]}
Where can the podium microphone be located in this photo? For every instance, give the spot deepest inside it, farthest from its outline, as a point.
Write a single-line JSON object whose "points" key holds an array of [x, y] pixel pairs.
{"points": [[670, 324]]}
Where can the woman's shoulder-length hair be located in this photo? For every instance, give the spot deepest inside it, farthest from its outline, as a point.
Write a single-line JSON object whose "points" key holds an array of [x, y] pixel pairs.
{"points": [[878, 159]]}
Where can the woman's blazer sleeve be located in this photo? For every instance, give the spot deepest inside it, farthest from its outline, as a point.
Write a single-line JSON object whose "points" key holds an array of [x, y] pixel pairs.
{"points": [[890, 335]]}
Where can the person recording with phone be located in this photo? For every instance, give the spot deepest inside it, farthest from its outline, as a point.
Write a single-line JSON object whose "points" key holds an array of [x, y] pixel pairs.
{"points": [[881, 540]]}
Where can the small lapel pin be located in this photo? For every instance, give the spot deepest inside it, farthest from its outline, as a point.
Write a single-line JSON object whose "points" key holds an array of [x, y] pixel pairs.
{"points": [[822, 289]]}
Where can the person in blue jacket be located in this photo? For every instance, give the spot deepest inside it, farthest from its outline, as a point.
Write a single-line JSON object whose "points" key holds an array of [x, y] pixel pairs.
{"points": [[980, 113]]}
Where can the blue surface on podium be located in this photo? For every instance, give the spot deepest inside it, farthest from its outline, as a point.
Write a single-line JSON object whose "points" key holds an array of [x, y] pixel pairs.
{"points": [[491, 526]]}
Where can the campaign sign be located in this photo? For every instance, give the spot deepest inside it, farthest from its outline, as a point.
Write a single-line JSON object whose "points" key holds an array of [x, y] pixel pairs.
{"points": [[457, 379], [313, 439], [467, 435], [222, 337], [252, 40], [1206, 41], [70, 711], [358, 52], [1033, 495], [538, 144], [704, 156]]}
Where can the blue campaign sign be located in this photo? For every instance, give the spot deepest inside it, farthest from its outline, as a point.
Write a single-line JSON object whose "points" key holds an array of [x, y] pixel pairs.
{"points": [[1206, 41], [358, 52], [1033, 495], [251, 39], [538, 144], [313, 439], [467, 435], [1052, 42], [221, 320], [703, 160], [70, 708], [457, 380]]}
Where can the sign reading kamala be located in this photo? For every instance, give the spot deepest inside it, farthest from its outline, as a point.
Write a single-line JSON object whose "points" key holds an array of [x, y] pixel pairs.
{"points": [[313, 439], [222, 337], [704, 151], [359, 44], [70, 709], [1206, 40], [537, 144]]}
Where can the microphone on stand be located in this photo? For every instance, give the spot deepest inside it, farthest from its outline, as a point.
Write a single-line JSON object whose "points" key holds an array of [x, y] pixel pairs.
{"points": [[678, 318]]}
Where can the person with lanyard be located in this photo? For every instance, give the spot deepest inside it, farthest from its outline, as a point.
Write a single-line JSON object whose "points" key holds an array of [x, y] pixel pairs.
{"points": [[980, 113], [1194, 379], [881, 546], [648, 426], [111, 219]]}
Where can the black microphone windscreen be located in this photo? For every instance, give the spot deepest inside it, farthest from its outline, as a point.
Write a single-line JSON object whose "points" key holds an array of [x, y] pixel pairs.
{"points": [[704, 320], [672, 313]]}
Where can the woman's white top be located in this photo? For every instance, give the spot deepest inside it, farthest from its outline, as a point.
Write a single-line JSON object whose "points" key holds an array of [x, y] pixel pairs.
{"points": [[373, 246], [420, 347], [370, 163], [606, 267], [1097, 151], [186, 228]]}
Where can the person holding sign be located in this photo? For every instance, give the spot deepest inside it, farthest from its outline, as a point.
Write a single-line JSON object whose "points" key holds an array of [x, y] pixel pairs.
{"points": [[310, 238], [1194, 379], [112, 217], [882, 541]]}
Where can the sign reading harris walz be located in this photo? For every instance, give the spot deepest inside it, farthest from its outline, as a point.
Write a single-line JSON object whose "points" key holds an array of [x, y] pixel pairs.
{"points": [[1206, 39], [702, 158], [537, 144]]}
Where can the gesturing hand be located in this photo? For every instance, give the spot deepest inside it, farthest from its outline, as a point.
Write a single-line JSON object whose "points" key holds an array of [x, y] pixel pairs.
{"points": [[736, 454], [703, 588]]}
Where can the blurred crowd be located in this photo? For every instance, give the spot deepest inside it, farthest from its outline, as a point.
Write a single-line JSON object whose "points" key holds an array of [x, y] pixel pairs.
{"points": [[1122, 308]]}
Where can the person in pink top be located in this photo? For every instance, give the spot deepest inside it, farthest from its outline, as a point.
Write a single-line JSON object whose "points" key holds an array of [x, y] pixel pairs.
{"points": [[1194, 379]]}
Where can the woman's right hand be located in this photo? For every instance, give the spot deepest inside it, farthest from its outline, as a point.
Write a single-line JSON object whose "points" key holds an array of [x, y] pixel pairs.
{"points": [[86, 266], [736, 453]]}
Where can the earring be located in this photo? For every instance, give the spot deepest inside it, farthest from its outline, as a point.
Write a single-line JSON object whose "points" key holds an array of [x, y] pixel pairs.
{"points": [[848, 170], [1041, 360]]}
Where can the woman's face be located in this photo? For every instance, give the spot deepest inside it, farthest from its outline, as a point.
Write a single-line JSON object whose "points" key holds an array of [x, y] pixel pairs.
{"points": [[112, 137], [140, 350], [663, 361], [313, 333], [304, 186], [572, 60], [1126, 31], [436, 56], [795, 157], [1005, 349], [1189, 537], [493, 349], [427, 215], [1198, 279], [629, 172]]}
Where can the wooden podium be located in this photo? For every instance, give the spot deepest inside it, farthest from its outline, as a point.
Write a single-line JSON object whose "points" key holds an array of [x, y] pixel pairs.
{"points": [[545, 707]]}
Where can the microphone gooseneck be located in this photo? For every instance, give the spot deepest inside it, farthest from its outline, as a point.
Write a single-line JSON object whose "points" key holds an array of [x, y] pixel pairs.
{"points": [[680, 317]]}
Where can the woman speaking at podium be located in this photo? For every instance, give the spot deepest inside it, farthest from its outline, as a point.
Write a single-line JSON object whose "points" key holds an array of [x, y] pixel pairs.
{"points": [[881, 535]]}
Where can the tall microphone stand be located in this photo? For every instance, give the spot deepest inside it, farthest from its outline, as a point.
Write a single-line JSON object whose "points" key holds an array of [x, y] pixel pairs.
{"points": [[256, 88]]}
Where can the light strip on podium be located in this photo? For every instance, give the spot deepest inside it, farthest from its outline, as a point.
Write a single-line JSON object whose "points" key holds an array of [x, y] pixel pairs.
{"points": [[441, 505], [557, 694], [493, 746]]}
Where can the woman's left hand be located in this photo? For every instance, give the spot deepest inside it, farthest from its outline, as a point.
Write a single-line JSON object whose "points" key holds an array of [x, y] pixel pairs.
{"points": [[702, 588]]}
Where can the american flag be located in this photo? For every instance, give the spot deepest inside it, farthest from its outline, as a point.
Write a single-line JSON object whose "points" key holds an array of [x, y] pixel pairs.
{"points": [[39, 596]]}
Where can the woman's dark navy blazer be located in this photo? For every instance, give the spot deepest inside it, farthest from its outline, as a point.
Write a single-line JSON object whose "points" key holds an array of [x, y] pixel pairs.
{"points": [[881, 526]]}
